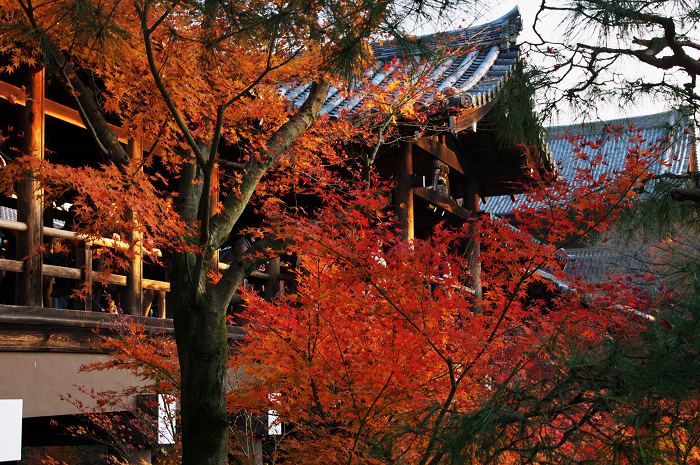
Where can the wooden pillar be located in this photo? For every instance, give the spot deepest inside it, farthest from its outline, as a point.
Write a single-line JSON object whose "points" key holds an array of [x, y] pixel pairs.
{"points": [[213, 206], [471, 202], [272, 287], [98, 290], [31, 122], [134, 278], [83, 261], [404, 191], [47, 282]]}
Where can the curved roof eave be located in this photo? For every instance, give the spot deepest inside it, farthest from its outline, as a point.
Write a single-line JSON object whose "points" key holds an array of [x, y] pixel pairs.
{"points": [[473, 65]]}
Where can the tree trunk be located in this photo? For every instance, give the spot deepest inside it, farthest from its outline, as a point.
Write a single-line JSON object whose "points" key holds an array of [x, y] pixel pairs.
{"points": [[201, 336], [199, 313]]}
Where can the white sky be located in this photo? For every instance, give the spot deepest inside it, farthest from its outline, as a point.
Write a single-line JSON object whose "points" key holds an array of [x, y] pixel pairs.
{"points": [[550, 26]]}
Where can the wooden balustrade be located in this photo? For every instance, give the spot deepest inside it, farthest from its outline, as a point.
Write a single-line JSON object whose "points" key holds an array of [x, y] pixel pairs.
{"points": [[84, 265], [33, 107]]}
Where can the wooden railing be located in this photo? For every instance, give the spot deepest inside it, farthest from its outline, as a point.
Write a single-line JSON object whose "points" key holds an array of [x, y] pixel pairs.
{"points": [[33, 107], [84, 264]]}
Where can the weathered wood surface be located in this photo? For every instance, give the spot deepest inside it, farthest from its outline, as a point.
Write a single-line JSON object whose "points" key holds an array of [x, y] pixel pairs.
{"points": [[38, 329], [436, 148], [29, 209], [62, 272], [403, 192], [13, 225], [433, 197], [15, 314], [74, 273], [467, 118], [272, 286], [34, 338], [11, 265]]}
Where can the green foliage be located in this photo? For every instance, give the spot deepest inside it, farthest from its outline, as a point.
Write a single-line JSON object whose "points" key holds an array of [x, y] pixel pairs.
{"points": [[512, 118], [665, 234], [631, 400]]}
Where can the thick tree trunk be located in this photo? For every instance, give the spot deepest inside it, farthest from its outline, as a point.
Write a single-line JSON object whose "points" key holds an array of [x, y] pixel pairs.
{"points": [[200, 332], [200, 312]]}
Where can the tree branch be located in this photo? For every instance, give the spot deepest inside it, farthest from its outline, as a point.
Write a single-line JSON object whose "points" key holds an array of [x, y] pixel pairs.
{"points": [[682, 195], [241, 267], [274, 151]]}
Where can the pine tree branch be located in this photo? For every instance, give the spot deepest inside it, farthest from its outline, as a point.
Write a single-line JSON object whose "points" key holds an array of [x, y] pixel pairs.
{"points": [[682, 195], [84, 99]]}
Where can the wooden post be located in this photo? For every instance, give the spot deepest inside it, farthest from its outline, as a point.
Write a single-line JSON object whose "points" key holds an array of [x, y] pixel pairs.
{"points": [[98, 291], [134, 278], [471, 202], [272, 287], [404, 191], [213, 205], [31, 122], [83, 261]]}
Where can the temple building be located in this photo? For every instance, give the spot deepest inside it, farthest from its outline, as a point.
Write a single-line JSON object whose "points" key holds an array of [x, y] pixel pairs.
{"points": [[463, 150]]}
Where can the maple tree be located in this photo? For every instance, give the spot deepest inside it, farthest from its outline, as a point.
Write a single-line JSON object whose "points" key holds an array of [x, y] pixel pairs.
{"points": [[197, 84], [383, 355], [202, 80]]}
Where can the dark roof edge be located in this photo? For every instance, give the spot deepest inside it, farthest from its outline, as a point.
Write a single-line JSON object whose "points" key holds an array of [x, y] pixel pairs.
{"points": [[512, 14], [664, 119]]}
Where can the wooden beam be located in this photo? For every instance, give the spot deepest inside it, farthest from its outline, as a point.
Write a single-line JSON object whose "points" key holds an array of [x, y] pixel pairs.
{"points": [[120, 280], [435, 147], [13, 225], [11, 265], [449, 205], [79, 274], [56, 110], [467, 118], [62, 272], [33, 338], [28, 289], [16, 95], [156, 285], [46, 321]]}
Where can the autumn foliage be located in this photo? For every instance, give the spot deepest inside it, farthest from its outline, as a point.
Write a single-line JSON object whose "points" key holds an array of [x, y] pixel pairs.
{"points": [[384, 355]]}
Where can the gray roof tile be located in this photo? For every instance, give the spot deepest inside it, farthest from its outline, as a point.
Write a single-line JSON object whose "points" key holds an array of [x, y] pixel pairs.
{"points": [[654, 128], [476, 62]]}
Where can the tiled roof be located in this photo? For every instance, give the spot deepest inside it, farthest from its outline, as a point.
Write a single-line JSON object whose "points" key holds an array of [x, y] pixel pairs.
{"points": [[598, 263], [677, 157], [9, 214], [475, 63]]}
